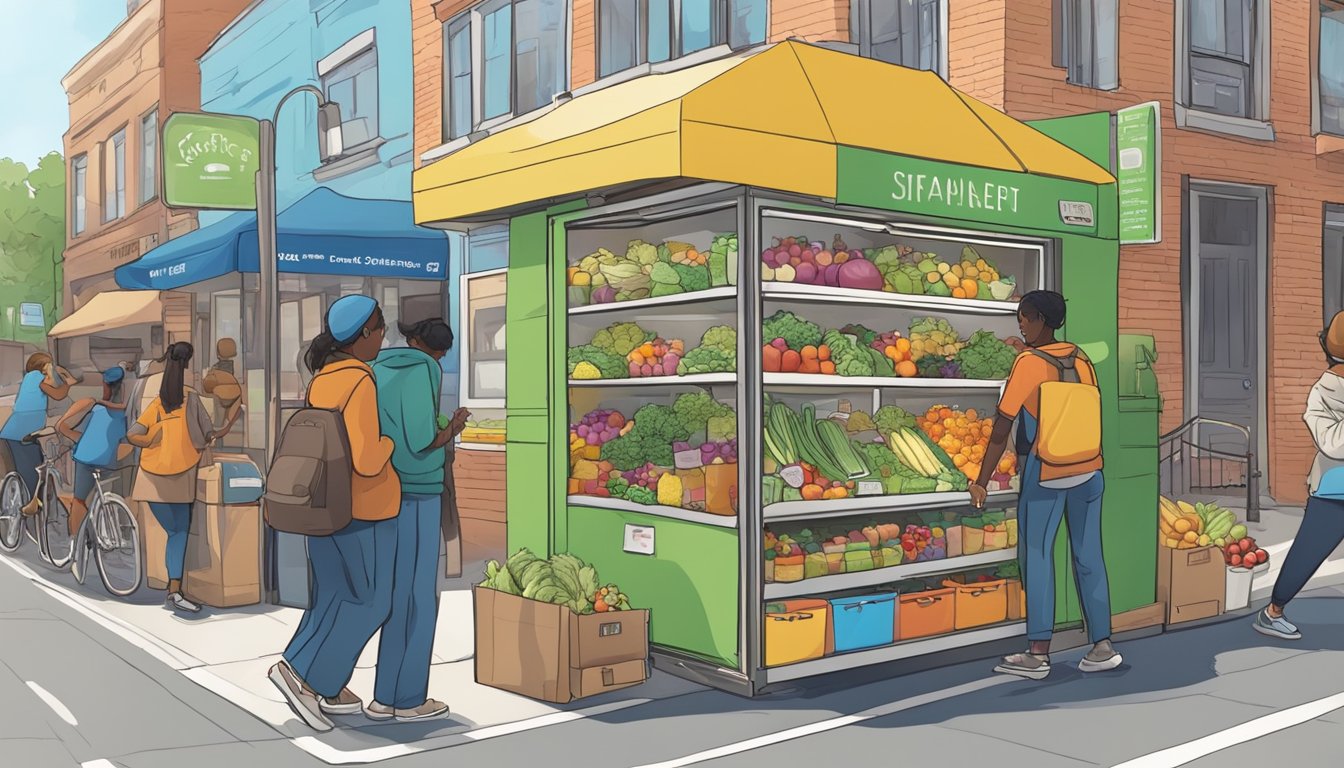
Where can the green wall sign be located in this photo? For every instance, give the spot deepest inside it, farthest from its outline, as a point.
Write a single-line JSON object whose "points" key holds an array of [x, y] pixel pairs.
{"points": [[1138, 152], [210, 161], [895, 182]]}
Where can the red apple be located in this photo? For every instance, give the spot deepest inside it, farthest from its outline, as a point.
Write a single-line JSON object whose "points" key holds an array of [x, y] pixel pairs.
{"points": [[1246, 545], [1236, 561], [1233, 549]]}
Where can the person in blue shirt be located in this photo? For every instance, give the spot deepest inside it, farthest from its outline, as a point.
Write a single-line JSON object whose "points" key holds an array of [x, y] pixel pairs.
{"points": [[98, 445], [43, 381]]}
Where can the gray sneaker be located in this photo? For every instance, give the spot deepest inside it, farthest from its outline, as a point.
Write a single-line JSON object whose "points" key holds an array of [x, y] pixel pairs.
{"points": [[177, 602], [1027, 665], [1281, 627], [302, 699], [1102, 658]]}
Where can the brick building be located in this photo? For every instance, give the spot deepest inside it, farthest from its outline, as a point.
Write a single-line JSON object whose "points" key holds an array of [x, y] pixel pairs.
{"points": [[120, 93]]}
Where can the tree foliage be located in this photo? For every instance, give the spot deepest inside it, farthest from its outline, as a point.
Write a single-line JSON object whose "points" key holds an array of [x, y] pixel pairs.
{"points": [[32, 237]]}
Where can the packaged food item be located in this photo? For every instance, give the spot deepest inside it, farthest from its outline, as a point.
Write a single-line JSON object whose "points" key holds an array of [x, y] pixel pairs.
{"points": [[721, 489], [789, 568], [692, 487], [814, 565]]}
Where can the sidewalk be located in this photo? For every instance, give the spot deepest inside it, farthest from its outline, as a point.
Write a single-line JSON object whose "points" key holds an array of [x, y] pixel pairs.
{"points": [[229, 651]]}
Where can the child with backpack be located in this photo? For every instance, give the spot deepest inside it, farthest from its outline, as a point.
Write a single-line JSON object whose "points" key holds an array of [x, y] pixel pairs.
{"points": [[1053, 390], [172, 432], [332, 479]]}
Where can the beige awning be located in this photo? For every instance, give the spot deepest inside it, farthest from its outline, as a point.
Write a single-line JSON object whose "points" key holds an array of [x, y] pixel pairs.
{"points": [[109, 311]]}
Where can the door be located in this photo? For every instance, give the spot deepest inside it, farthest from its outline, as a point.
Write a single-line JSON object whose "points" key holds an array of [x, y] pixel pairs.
{"points": [[1225, 313]]}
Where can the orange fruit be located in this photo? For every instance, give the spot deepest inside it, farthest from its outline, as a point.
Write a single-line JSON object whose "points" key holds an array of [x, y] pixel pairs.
{"points": [[903, 345], [958, 293], [906, 369], [970, 288]]}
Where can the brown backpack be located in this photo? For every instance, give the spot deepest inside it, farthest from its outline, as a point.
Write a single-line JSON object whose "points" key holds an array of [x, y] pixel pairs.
{"points": [[308, 486]]}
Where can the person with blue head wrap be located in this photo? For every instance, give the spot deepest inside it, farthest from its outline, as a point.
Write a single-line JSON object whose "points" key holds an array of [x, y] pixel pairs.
{"points": [[352, 569]]}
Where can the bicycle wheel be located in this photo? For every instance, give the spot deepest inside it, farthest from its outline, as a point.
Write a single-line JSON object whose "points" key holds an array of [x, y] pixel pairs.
{"points": [[79, 566], [58, 544], [117, 546], [11, 514]]}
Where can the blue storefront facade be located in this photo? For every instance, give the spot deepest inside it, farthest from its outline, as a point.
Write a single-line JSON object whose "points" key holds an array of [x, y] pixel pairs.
{"points": [[345, 225]]}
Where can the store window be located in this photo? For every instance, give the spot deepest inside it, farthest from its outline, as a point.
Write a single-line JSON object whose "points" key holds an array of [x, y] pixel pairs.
{"points": [[79, 179], [909, 33], [635, 32], [1086, 42], [1222, 81], [114, 195], [353, 84], [502, 59], [149, 150], [1330, 68], [483, 356], [1332, 264]]}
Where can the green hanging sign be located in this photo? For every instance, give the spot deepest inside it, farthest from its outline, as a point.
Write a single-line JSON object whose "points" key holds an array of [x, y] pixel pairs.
{"points": [[1138, 156], [210, 161]]}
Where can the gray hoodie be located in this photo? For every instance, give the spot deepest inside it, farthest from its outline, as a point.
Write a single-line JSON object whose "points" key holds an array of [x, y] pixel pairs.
{"points": [[1325, 418]]}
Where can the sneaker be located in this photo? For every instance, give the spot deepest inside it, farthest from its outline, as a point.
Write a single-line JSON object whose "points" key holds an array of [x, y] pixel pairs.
{"points": [[1102, 658], [345, 703], [427, 711], [1027, 665], [181, 604], [299, 696], [1281, 627]]}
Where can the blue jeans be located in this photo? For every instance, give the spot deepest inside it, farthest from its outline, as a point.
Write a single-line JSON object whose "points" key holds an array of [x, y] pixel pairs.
{"points": [[407, 642], [27, 458], [351, 597], [176, 522], [1040, 511], [1321, 531]]}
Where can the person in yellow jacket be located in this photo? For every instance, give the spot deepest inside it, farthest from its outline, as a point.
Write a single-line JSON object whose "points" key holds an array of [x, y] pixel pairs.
{"points": [[352, 569]]}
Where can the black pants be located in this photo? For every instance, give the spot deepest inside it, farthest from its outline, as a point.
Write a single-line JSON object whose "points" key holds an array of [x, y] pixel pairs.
{"points": [[1321, 532], [27, 458]]}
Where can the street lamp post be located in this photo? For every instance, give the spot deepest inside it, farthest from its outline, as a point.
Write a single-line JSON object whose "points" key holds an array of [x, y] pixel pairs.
{"points": [[329, 141]]}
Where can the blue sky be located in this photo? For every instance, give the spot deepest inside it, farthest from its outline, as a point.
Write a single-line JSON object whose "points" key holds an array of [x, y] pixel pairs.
{"points": [[41, 40]]}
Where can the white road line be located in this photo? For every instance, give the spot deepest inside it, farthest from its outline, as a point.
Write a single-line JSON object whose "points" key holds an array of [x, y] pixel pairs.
{"points": [[99, 763], [60, 709], [830, 725], [1238, 734], [333, 756]]}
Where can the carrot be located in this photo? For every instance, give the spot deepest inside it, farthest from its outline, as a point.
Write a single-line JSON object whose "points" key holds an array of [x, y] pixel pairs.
{"points": [[823, 352], [770, 359], [809, 353], [828, 368], [791, 362], [812, 492]]}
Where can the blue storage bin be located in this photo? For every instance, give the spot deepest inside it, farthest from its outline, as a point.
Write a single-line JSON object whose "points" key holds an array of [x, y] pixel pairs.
{"points": [[241, 482], [864, 621]]}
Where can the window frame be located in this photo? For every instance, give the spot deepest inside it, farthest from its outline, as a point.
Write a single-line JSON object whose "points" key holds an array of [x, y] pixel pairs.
{"points": [[329, 67], [860, 19], [114, 178], [452, 27], [1332, 223], [149, 161], [79, 194], [719, 45], [1257, 126], [465, 398], [1317, 91], [1064, 35]]}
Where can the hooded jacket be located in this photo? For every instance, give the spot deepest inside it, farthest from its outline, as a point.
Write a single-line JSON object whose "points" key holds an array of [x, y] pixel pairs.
{"points": [[1325, 418], [409, 382]]}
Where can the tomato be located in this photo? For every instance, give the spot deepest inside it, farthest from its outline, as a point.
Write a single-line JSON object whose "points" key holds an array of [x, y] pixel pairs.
{"points": [[1245, 545], [1233, 550], [1236, 561]]}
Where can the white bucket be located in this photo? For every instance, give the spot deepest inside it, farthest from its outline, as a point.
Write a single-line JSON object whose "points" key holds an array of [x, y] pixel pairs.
{"points": [[1238, 588]]}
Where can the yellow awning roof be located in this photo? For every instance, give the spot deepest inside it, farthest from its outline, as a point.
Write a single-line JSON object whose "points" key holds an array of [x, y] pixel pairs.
{"points": [[109, 311], [771, 119]]}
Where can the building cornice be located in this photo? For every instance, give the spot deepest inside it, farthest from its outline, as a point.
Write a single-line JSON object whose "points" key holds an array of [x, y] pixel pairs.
{"points": [[130, 34]]}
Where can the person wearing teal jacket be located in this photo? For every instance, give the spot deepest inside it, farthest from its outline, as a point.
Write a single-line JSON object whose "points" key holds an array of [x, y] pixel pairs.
{"points": [[409, 379]]}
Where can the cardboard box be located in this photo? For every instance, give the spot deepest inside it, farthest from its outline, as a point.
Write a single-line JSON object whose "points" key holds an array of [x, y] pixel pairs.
{"points": [[223, 567], [546, 652], [1192, 583]]}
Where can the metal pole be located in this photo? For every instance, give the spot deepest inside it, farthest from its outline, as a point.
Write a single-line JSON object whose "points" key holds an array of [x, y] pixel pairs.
{"points": [[268, 284]]}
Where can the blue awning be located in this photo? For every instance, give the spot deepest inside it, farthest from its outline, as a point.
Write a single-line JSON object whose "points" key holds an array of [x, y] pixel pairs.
{"points": [[324, 233]]}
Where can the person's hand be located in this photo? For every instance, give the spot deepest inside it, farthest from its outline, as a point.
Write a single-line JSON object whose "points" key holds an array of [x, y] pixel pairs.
{"points": [[459, 420], [978, 495], [46, 369]]}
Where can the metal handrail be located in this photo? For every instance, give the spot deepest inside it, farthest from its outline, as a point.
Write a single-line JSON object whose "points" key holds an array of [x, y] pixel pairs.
{"points": [[1168, 452]]}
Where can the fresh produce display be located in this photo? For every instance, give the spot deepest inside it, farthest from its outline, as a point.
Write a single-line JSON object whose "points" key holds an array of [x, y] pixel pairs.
{"points": [[717, 353], [1244, 553], [481, 430], [796, 332], [916, 451], [985, 357], [649, 441], [776, 357], [891, 268], [647, 270], [625, 350], [1186, 526], [933, 336], [658, 357], [561, 580], [965, 438]]}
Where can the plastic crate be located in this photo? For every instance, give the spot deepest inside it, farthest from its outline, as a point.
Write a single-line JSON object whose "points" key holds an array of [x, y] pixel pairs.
{"points": [[795, 630], [925, 614], [864, 621], [980, 603]]}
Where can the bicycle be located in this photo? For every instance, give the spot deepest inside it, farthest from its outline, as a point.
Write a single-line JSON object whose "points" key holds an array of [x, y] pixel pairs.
{"points": [[51, 522], [110, 531]]}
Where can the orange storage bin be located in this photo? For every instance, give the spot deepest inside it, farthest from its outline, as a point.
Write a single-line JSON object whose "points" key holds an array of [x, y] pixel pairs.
{"points": [[795, 630], [981, 603], [923, 614]]}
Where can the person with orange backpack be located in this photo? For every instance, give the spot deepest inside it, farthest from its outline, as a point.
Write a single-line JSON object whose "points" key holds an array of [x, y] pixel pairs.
{"points": [[1053, 390]]}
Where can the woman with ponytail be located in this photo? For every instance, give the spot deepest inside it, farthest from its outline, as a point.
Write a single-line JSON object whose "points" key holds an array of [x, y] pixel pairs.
{"points": [[352, 569], [171, 433]]}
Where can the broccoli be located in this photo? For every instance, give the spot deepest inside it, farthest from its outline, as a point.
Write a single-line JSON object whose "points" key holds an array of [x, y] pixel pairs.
{"points": [[594, 261], [619, 338], [850, 359], [722, 338], [795, 331], [985, 357], [695, 409], [721, 429], [610, 366], [640, 495], [692, 278], [891, 418], [617, 486], [706, 360], [649, 441], [641, 252]]}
